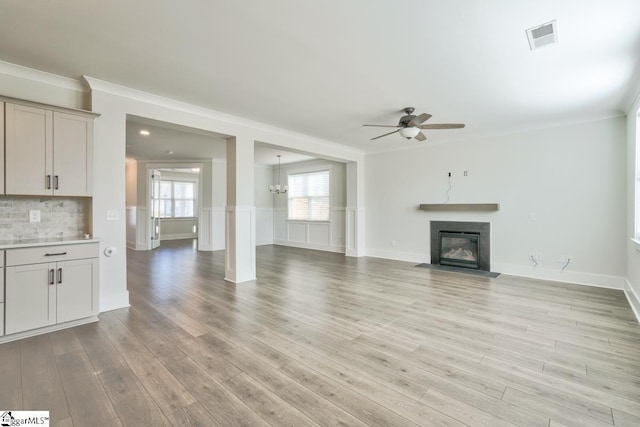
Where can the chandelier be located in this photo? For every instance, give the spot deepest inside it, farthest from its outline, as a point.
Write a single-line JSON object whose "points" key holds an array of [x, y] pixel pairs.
{"points": [[278, 189]]}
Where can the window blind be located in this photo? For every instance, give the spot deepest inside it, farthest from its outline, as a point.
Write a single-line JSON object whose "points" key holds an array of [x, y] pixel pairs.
{"points": [[310, 196]]}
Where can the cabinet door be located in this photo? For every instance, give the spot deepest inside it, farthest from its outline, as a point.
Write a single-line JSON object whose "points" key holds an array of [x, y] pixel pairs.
{"points": [[29, 150], [75, 281], [72, 154], [30, 297]]}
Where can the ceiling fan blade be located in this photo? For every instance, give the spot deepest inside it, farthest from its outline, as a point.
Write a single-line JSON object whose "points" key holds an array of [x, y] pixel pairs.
{"points": [[395, 131], [443, 126], [421, 137], [419, 119], [385, 126]]}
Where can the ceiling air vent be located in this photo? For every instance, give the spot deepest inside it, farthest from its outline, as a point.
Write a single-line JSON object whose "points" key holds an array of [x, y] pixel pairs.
{"points": [[543, 35]]}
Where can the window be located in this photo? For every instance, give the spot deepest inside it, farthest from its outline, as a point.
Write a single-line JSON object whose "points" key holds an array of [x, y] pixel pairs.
{"points": [[309, 196], [177, 199]]}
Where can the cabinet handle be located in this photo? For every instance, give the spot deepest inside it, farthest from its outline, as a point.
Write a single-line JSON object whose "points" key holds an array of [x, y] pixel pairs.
{"points": [[59, 275], [48, 182], [51, 279], [56, 254], [55, 182]]}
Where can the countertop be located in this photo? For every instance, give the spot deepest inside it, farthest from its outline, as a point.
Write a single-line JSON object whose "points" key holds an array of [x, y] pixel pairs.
{"points": [[27, 243]]}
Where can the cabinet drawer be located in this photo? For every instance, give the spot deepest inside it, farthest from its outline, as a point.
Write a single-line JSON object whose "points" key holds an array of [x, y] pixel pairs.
{"points": [[51, 253]]}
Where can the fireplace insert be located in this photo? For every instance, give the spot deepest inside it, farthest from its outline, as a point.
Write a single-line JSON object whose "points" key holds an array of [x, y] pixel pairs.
{"points": [[459, 249]]}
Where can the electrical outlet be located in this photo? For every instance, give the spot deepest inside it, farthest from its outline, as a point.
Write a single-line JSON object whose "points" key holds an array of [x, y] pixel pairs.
{"points": [[34, 216], [113, 215]]}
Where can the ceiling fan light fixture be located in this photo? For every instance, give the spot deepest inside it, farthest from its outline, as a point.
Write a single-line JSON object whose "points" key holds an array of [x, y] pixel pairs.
{"points": [[409, 132]]}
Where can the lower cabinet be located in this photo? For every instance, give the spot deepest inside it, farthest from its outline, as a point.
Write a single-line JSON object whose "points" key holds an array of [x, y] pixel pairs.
{"points": [[40, 294], [1, 293]]}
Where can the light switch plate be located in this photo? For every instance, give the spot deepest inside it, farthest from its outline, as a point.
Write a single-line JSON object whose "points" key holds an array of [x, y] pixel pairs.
{"points": [[113, 215], [34, 216]]}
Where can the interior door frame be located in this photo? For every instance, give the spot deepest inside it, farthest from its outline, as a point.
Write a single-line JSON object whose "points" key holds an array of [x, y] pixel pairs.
{"points": [[162, 165], [153, 177]]}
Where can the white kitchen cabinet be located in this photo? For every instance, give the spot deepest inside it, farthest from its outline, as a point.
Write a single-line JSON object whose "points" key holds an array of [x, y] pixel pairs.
{"points": [[1, 162], [1, 293], [47, 152], [31, 297], [61, 289]]}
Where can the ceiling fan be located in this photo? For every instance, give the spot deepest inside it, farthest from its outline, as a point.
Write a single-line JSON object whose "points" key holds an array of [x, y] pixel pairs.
{"points": [[411, 126]]}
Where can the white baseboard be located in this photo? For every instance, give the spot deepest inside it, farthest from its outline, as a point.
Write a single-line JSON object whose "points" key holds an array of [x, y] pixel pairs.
{"points": [[633, 298], [178, 236], [589, 279], [131, 245], [47, 329], [113, 302], [314, 246], [399, 256]]}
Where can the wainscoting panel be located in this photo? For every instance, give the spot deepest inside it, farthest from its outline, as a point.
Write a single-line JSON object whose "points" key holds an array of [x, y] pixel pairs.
{"points": [[205, 231], [264, 226], [178, 228], [143, 239], [240, 254], [131, 227], [324, 236], [297, 232], [319, 233], [217, 224]]}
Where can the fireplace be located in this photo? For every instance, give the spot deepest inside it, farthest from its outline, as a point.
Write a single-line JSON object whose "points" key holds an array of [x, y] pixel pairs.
{"points": [[459, 249], [461, 244]]}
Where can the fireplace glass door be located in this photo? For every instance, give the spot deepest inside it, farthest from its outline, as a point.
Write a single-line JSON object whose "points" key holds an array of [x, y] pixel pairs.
{"points": [[459, 249]]}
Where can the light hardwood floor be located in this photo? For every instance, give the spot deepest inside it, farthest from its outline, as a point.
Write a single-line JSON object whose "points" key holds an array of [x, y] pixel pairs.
{"points": [[321, 339]]}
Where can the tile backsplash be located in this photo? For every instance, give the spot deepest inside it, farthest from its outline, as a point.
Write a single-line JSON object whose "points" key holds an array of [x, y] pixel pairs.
{"points": [[60, 217]]}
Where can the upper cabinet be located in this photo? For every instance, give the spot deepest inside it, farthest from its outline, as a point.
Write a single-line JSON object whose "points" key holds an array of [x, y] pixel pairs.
{"points": [[47, 152], [1, 147], [72, 154]]}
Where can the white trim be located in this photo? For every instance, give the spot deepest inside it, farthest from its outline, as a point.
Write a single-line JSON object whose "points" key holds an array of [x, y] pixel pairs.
{"points": [[399, 256], [240, 270], [636, 243], [20, 71], [314, 246], [47, 329], [588, 279], [345, 151], [633, 298], [205, 229], [179, 236]]}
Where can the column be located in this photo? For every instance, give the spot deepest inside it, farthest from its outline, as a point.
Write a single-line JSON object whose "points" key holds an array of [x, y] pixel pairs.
{"points": [[354, 221], [240, 212]]}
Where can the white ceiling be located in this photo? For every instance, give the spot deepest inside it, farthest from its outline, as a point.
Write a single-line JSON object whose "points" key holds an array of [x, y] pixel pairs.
{"points": [[173, 143], [324, 68]]}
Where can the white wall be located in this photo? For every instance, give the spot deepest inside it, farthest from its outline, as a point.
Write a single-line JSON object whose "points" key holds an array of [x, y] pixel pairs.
{"points": [[570, 178], [632, 288], [327, 236], [263, 176]]}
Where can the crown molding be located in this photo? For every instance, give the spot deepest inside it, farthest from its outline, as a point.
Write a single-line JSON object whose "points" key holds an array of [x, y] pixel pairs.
{"points": [[161, 101], [14, 70]]}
